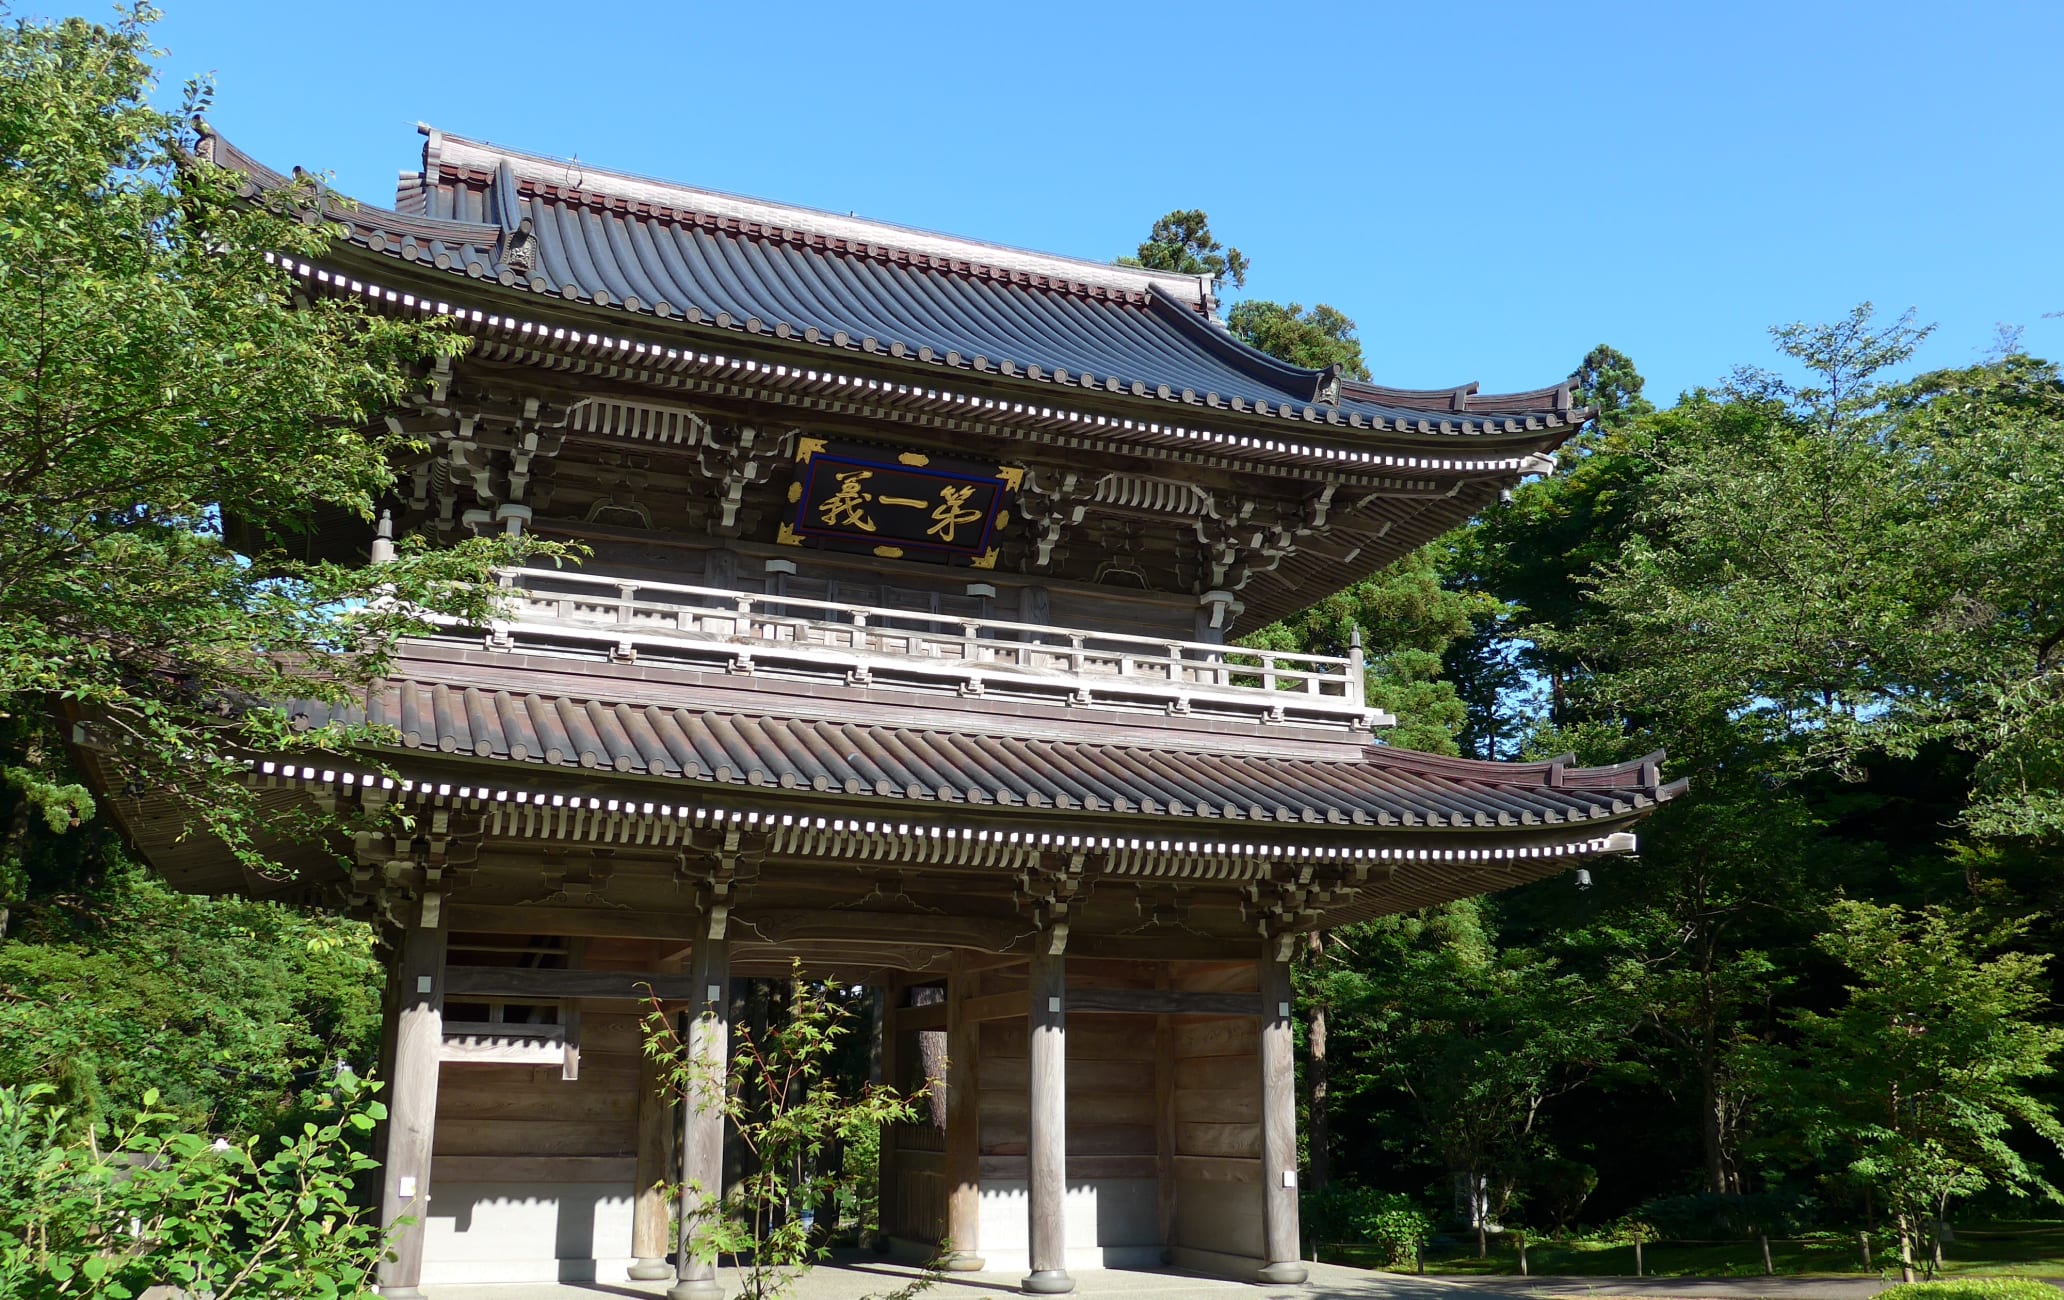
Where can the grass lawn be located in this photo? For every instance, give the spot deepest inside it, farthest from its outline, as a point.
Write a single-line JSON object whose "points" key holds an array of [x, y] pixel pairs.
{"points": [[2024, 1249]]}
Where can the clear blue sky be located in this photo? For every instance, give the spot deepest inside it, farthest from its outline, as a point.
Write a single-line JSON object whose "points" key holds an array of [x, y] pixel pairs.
{"points": [[1488, 189]]}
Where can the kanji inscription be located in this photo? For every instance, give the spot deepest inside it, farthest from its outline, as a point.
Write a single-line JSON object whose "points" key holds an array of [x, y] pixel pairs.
{"points": [[898, 506]]}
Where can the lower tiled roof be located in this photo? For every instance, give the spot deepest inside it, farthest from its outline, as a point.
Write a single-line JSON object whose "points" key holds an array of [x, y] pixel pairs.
{"points": [[1369, 785]]}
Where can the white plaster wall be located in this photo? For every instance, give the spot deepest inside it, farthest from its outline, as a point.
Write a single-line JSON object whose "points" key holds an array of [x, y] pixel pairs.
{"points": [[1110, 1223], [527, 1232]]}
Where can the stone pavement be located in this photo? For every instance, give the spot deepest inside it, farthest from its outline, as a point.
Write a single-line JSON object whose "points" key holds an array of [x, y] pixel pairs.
{"points": [[854, 1276]]}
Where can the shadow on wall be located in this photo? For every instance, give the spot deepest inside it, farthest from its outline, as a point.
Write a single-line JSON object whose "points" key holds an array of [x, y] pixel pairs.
{"points": [[487, 1232]]}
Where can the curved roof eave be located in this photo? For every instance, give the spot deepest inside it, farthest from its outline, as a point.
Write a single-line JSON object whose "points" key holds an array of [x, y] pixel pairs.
{"points": [[1151, 330]]}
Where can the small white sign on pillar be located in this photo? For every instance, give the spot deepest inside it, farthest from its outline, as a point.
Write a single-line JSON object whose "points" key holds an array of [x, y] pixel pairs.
{"points": [[423, 983], [1289, 1178], [715, 994], [405, 1187]]}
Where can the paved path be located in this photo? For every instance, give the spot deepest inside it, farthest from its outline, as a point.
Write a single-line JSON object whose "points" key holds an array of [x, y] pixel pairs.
{"points": [[1682, 1288], [854, 1276]]}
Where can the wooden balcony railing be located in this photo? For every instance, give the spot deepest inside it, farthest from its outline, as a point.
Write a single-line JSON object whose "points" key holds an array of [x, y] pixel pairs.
{"points": [[747, 632]]}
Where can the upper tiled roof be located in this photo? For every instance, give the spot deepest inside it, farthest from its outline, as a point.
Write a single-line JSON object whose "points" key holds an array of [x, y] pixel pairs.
{"points": [[615, 241], [1359, 785]]}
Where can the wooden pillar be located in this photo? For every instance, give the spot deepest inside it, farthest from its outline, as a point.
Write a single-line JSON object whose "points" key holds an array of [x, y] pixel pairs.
{"points": [[412, 1106], [963, 1124], [702, 1114], [1164, 1124], [1280, 1265], [650, 1201], [887, 1209], [1048, 1113]]}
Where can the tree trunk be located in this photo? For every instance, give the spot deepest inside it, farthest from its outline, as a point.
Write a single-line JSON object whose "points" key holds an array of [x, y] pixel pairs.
{"points": [[1721, 1176], [1320, 1120], [931, 1055], [1904, 1226]]}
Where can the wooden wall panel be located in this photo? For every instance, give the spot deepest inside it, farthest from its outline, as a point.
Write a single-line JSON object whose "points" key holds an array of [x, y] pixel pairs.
{"points": [[528, 1113], [1111, 1109], [1217, 1102]]}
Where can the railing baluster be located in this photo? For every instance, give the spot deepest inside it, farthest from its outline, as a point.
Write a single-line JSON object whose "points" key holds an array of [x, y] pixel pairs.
{"points": [[1323, 683]]}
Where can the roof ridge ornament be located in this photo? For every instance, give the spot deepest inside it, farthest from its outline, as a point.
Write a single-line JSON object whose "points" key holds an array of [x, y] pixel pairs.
{"points": [[1327, 392]]}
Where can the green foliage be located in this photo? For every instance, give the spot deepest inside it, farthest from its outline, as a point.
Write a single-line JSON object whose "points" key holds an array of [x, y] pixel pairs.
{"points": [[156, 371], [1973, 1288], [1477, 1037], [1348, 1212], [1182, 242], [1842, 568], [1314, 338], [1559, 1186], [144, 1204], [1710, 1216], [1916, 1084], [783, 1101], [236, 1012]]}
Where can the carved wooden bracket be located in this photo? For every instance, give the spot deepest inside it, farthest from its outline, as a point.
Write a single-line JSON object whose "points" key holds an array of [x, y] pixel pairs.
{"points": [[1050, 502], [1049, 890], [735, 457], [721, 864]]}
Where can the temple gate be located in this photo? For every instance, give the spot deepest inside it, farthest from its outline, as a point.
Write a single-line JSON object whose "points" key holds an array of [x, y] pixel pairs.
{"points": [[907, 648]]}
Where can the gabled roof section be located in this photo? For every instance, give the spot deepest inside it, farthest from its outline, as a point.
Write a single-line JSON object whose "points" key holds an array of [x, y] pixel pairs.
{"points": [[1365, 785], [454, 169], [672, 252]]}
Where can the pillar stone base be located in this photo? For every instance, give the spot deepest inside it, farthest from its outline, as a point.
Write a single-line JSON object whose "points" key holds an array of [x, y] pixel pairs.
{"points": [[1284, 1273], [649, 1270], [1048, 1281], [962, 1261], [700, 1288]]}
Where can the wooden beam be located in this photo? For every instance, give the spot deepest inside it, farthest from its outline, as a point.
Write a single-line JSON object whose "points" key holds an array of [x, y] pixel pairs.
{"points": [[592, 922], [557, 985], [993, 1006], [977, 963], [1164, 1002], [782, 925], [912, 1019], [535, 1169]]}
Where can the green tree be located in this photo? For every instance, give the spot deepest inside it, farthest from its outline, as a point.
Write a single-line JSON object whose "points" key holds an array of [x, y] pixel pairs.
{"points": [[157, 371], [238, 1013], [1478, 1037], [1182, 242], [1315, 338], [143, 1206], [1535, 554], [788, 1104], [1917, 1082]]}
